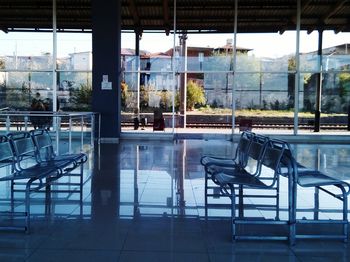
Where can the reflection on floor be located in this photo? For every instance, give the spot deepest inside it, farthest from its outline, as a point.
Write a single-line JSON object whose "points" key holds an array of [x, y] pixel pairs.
{"points": [[144, 201]]}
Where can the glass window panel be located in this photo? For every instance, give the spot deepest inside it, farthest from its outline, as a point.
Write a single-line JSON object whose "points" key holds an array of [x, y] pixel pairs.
{"points": [[74, 90], [21, 87]]}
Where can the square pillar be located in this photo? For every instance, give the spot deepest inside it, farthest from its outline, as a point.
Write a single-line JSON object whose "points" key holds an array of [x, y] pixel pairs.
{"points": [[106, 45]]}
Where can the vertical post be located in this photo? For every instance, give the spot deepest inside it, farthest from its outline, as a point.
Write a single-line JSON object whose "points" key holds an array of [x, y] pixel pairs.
{"points": [[136, 187], [297, 68], [54, 56], [26, 123], [173, 70], [260, 85], [319, 84], [349, 118], [316, 192], [183, 78], [82, 133], [138, 62], [234, 67], [181, 178], [99, 128], [92, 130], [58, 130], [70, 134], [8, 124]]}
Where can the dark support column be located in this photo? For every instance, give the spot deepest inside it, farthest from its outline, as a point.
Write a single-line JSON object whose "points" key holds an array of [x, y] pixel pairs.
{"points": [[319, 85], [106, 35]]}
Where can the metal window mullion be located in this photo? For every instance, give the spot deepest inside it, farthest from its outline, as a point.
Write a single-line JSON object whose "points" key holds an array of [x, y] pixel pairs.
{"points": [[54, 56], [70, 135], [174, 75], [297, 75], [234, 67], [82, 133]]}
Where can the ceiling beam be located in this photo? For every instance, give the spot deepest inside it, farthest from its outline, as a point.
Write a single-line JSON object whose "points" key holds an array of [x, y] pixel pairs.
{"points": [[342, 28], [293, 19], [333, 10], [166, 16], [133, 11], [322, 22]]}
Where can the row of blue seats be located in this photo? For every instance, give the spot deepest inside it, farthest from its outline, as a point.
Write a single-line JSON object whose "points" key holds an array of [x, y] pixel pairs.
{"points": [[34, 164], [272, 159]]}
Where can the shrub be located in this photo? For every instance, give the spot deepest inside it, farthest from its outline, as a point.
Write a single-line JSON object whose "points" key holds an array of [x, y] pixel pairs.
{"points": [[124, 94], [81, 98], [195, 95]]}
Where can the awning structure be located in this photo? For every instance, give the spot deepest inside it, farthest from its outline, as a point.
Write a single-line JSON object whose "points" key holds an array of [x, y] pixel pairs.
{"points": [[191, 15]]}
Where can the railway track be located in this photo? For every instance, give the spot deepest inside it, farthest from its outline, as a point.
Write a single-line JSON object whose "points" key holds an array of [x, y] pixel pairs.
{"points": [[255, 126]]}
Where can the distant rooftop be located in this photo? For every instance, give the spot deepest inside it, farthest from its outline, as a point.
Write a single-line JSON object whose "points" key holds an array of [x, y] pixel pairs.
{"points": [[343, 49]]}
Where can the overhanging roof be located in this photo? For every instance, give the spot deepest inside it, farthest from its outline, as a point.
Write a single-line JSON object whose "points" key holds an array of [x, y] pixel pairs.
{"points": [[191, 15]]}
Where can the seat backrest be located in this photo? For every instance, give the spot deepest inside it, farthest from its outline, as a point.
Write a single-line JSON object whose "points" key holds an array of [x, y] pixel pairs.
{"points": [[255, 152], [6, 154], [289, 165], [23, 149], [243, 148], [43, 143], [272, 159]]}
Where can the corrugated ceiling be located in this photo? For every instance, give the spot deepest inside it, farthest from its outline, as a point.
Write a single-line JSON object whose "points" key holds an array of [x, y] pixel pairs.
{"points": [[192, 15]]}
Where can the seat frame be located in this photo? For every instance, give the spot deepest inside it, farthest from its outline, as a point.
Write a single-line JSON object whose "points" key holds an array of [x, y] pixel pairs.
{"points": [[19, 152]]}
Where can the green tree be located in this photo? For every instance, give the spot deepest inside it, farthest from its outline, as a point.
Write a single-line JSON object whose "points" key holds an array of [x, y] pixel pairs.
{"points": [[18, 99], [344, 82], [195, 95], [144, 97], [81, 98], [124, 94]]}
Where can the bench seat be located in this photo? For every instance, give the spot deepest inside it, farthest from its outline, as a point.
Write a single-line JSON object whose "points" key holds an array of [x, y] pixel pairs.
{"points": [[35, 169]]}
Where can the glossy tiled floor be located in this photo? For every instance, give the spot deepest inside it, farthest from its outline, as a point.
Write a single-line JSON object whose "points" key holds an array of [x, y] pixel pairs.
{"points": [[144, 201]]}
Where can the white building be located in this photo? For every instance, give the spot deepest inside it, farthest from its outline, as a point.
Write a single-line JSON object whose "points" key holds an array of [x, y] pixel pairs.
{"points": [[81, 60]]}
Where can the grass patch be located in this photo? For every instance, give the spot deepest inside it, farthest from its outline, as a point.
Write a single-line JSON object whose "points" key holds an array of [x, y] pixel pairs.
{"points": [[257, 112]]}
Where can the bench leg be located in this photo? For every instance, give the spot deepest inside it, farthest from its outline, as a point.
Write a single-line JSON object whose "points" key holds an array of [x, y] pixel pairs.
{"points": [[316, 203], [240, 203], [233, 212], [277, 199], [27, 205], [12, 196], [206, 193], [345, 214], [48, 197], [81, 188], [292, 203]]}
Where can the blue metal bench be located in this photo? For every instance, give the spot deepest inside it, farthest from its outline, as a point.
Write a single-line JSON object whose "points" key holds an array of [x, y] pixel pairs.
{"points": [[278, 157], [238, 161], [302, 176], [249, 151], [28, 168], [265, 176]]}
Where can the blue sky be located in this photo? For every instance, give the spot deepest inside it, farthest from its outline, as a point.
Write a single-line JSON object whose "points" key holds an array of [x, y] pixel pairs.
{"points": [[270, 45]]}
